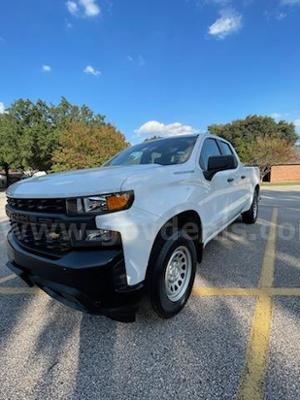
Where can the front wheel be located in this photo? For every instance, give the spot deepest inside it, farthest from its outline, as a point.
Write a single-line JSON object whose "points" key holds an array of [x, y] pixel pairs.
{"points": [[250, 216], [172, 274]]}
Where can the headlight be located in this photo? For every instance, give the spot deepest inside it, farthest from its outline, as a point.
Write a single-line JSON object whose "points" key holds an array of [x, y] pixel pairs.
{"points": [[99, 204]]}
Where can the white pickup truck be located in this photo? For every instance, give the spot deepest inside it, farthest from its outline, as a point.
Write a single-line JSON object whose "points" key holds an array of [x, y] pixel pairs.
{"points": [[97, 239]]}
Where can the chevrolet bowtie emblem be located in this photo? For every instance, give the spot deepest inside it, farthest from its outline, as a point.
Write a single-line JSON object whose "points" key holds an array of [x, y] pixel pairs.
{"points": [[53, 235]]}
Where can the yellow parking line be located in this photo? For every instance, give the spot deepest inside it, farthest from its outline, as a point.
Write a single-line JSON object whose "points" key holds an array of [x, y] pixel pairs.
{"points": [[7, 278], [20, 290], [252, 383], [215, 291], [267, 273], [284, 291], [253, 377]]}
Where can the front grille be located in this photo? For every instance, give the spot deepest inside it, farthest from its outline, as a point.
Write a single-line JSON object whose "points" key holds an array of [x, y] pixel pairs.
{"points": [[53, 206], [52, 240], [43, 227], [40, 233]]}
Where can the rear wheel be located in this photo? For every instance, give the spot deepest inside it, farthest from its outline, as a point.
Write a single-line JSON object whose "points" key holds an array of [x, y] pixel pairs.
{"points": [[172, 274], [250, 216]]}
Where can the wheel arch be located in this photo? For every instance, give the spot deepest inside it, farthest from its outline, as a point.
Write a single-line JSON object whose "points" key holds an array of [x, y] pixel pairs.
{"points": [[189, 220]]}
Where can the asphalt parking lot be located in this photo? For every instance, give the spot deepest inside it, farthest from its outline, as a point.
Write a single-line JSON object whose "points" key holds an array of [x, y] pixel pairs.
{"points": [[238, 337]]}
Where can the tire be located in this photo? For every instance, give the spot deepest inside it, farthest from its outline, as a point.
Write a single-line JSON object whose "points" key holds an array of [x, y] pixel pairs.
{"points": [[250, 216], [165, 274]]}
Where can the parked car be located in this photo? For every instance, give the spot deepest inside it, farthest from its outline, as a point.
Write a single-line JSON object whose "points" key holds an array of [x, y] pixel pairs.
{"points": [[97, 239]]}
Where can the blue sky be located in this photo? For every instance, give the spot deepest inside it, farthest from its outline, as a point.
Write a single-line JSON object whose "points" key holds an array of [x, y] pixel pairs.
{"points": [[155, 66]]}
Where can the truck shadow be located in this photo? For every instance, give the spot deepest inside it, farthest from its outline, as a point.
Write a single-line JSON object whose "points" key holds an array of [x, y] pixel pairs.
{"points": [[234, 258], [66, 354], [185, 357]]}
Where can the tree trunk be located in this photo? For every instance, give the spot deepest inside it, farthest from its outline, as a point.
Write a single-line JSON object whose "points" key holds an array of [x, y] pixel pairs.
{"points": [[6, 170], [264, 171]]}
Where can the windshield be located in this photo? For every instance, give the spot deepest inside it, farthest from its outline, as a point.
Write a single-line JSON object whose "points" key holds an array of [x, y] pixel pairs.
{"points": [[164, 152]]}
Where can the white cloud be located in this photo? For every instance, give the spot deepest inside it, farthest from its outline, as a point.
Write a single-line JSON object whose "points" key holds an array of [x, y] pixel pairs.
{"points": [[88, 8], [276, 115], [297, 125], [90, 70], [281, 116], [2, 107], [72, 7], [229, 22], [91, 8], [152, 128], [46, 68], [278, 12], [290, 2]]}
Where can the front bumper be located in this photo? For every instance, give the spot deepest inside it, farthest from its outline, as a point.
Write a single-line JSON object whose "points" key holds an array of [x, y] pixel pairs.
{"points": [[89, 280]]}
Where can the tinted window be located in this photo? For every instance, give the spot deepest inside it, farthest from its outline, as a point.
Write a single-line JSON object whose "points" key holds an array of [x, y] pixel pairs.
{"points": [[226, 150], [209, 148], [163, 152]]}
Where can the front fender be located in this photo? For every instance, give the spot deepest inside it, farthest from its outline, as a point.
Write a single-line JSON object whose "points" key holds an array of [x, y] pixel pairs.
{"points": [[138, 229]]}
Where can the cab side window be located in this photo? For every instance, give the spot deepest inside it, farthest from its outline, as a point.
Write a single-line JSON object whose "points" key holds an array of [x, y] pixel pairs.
{"points": [[209, 148], [227, 150]]}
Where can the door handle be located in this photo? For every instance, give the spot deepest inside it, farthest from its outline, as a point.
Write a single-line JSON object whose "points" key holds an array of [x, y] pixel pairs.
{"points": [[243, 177], [229, 180]]}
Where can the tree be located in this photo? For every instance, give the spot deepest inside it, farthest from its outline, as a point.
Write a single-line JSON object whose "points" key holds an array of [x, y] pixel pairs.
{"points": [[65, 112], [244, 132], [268, 151], [9, 144], [29, 132], [84, 145], [36, 138], [41, 125]]}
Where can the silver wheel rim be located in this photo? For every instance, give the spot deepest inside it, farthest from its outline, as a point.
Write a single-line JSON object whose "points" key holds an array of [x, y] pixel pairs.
{"points": [[178, 273]]}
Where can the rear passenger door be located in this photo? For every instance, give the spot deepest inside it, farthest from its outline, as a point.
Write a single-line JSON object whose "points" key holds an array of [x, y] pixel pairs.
{"points": [[217, 205], [239, 194]]}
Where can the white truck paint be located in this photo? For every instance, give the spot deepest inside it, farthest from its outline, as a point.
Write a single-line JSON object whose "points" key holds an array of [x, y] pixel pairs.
{"points": [[160, 193]]}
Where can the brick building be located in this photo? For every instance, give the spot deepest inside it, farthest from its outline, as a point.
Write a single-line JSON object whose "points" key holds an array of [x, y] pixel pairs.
{"points": [[286, 172]]}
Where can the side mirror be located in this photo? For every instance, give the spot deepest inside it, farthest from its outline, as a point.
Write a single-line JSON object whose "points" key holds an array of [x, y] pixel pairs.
{"points": [[219, 163]]}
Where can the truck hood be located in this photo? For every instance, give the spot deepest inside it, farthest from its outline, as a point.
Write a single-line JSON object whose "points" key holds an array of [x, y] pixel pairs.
{"points": [[83, 182]]}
